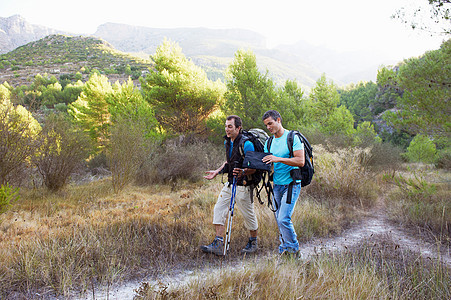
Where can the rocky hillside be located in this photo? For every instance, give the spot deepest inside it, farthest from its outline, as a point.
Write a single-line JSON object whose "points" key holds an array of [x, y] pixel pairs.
{"points": [[59, 54], [15, 31]]}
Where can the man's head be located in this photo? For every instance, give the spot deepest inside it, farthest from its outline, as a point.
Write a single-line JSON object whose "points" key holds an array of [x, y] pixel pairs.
{"points": [[233, 126], [272, 121]]}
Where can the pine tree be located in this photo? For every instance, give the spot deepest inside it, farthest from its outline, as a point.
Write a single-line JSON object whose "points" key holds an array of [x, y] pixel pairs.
{"points": [[179, 91]]}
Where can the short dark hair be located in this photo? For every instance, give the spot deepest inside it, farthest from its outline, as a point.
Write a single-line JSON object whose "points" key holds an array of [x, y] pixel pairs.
{"points": [[238, 122], [273, 114]]}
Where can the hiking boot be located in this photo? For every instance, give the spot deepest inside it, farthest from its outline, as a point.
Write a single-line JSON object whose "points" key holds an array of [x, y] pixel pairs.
{"points": [[250, 247], [216, 247]]}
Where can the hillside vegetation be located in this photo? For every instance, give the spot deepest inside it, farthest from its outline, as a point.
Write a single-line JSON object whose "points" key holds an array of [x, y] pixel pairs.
{"points": [[101, 181], [59, 54]]}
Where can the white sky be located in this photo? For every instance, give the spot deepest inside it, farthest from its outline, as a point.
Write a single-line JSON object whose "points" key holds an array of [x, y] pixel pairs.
{"points": [[340, 24]]}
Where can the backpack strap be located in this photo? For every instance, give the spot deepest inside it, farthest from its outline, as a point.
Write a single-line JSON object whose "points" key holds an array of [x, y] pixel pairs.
{"points": [[244, 139], [290, 142], [269, 191], [241, 145], [268, 144]]}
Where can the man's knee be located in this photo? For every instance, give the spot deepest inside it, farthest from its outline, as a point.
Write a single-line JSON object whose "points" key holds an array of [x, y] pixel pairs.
{"points": [[284, 221]]}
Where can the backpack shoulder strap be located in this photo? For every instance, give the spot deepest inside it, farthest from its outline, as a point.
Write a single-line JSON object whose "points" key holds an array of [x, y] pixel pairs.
{"points": [[268, 145], [243, 140], [290, 142]]}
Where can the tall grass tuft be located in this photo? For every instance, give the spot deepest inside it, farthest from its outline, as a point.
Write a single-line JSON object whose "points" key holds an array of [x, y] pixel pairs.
{"points": [[341, 178], [420, 202], [126, 152]]}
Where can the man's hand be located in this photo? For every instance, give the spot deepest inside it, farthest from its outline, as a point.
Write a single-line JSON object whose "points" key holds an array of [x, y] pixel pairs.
{"points": [[210, 174], [296, 161], [238, 172], [270, 159]]}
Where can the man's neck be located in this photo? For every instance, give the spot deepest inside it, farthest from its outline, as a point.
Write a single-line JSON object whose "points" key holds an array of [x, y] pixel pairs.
{"points": [[279, 133], [234, 138]]}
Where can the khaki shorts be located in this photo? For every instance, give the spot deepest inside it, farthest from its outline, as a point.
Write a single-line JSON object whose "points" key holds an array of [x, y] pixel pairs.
{"points": [[243, 202]]}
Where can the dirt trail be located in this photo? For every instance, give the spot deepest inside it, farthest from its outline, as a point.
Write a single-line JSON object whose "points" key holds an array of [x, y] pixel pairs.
{"points": [[375, 224]]}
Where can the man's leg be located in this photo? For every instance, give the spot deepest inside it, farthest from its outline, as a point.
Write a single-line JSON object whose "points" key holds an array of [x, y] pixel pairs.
{"points": [[246, 207], [219, 217], [220, 230], [285, 211]]}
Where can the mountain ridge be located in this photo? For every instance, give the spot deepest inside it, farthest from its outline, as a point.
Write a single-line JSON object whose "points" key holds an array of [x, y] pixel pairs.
{"points": [[213, 49], [15, 31]]}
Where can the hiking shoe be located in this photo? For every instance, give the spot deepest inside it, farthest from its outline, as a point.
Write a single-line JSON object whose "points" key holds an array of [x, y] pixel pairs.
{"points": [[216, 247], [250, 247]]}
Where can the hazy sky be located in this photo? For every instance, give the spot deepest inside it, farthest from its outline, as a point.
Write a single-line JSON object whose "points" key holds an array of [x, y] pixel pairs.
{"points": [[339, 24]]}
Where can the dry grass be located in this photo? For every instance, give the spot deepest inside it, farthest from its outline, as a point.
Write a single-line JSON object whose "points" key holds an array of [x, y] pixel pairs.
{"points": [[421, 198], [369, 271], [87, 235], [341, 178]]}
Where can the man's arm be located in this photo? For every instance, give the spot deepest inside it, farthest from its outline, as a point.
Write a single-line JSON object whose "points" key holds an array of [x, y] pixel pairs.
{"points": [[212, 173], [243, 172], [296, 161]]}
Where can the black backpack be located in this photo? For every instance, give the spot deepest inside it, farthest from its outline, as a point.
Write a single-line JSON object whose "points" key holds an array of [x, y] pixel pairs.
{"points": [[308, 169], [258, 138]]}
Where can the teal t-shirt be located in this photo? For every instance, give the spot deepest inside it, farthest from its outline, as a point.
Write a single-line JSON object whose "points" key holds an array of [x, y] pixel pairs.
{"points": [[279, 148]]}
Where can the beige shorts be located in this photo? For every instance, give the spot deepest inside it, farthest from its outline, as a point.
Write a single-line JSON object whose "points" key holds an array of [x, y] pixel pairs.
{"points": [[243, 202]]}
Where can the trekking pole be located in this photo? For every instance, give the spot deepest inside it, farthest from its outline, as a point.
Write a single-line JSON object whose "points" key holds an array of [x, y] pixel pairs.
{"points": [[230, 217]]}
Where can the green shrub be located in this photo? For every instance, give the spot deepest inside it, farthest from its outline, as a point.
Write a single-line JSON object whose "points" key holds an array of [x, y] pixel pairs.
{"points": [[365, 135], [126, 152], [61, 107], [444, 159], [18, 130], [62, 147], [421, 149], [8, 195]]}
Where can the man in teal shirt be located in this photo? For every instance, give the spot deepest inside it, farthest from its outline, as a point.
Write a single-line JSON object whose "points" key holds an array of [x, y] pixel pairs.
{"points": [[283, 165]]}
